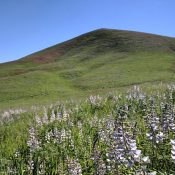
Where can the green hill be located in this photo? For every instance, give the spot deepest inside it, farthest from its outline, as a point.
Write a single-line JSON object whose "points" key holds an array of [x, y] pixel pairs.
{"points": [[100, 61]]}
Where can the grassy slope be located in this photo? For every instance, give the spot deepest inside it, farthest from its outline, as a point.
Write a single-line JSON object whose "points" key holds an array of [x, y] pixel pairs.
{"points": [[97, 62]]}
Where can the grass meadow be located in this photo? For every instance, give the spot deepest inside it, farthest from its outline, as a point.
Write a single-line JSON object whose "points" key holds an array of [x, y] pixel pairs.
{"points": [[127, 133], [29, 84]]}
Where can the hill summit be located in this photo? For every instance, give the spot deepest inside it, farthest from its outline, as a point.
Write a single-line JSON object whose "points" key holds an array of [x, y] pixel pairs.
{"points": [[105, 40]]}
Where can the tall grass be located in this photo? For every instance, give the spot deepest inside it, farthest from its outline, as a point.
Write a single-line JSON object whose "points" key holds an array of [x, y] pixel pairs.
{"points": [[130, 133]]}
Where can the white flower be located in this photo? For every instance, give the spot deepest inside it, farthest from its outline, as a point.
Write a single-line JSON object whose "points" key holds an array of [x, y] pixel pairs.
{"points": [[172, 142], [137, 153], [146, 159], [152, 173], [173, 157]]}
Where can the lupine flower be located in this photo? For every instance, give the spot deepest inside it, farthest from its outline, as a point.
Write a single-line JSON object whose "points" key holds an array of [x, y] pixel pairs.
{"points": [[165, 123], [118, 146], [95, 101], [11, 170], [159, 137], [152, 173], [59, 116], [80, 127], [101, 169], [135, 153], [145, 159], [52, 117], [45, 116], [32, 143], [30, 166], [17, 153], [74, 167], [10, 115], [153, 125], [172, 121], [173, 150], [48, 136], [63, 135], [65, 115], [41, 169], [38, 120]]}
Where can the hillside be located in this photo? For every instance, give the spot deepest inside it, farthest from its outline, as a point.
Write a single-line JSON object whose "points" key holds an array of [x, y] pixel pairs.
{"points": [[97, 62]]}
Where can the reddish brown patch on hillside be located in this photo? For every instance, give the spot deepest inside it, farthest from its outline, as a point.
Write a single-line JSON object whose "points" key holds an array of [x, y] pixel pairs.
{"points": [[49, 55], [46, 56]]}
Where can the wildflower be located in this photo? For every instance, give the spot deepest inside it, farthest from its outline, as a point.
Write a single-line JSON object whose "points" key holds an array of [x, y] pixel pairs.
{"points": [[101, 169], [159, 137], [74, 167], [133, 151], [59, 116], [95, 101], [173, 150], [65, 115], [145, 159], [32, 143], [52, 117], [45, 117], [152, 173], [48, 136], [30, 165], [63, 135], [41, 169], [38, 120]]}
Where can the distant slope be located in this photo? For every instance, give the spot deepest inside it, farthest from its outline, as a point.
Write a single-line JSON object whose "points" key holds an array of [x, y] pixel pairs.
{"points": [[99, 61]]}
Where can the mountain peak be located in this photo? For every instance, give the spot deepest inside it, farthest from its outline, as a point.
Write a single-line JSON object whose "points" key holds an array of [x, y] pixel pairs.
{"points": [[102, 41]]}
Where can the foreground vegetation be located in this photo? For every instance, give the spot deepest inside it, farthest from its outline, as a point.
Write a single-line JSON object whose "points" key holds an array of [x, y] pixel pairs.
{"points": [[130, 133]]}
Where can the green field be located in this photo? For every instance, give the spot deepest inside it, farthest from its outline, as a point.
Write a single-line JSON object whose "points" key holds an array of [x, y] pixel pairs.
{"points": [[50, 125], [98, 62]]}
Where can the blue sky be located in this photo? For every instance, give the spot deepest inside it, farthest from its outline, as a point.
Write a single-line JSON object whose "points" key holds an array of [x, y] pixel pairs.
{"points": [[27, 26]]}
